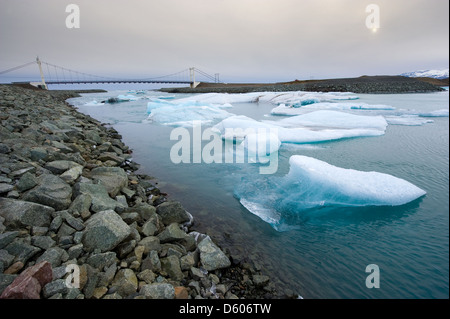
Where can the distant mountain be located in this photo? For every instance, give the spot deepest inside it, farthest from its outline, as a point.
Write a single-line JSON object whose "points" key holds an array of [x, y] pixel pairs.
{"points": [[435, 74]]}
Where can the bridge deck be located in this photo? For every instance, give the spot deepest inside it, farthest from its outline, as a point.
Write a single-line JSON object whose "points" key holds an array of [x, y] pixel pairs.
{"points": [[117, 81]]}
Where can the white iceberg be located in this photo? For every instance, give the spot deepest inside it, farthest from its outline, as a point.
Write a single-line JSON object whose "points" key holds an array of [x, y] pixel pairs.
{"points": [[175, 115], [317, 183], [289, 110], [312, 184], [334, 119], [238, 127], [407, 120]]}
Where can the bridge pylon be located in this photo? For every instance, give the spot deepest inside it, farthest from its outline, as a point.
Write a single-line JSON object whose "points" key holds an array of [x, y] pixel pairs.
{"points": [[41, 85], [192, 77]]}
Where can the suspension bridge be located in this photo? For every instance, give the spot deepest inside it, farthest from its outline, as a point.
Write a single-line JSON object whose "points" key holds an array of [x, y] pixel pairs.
{"points": [[52, 74]]}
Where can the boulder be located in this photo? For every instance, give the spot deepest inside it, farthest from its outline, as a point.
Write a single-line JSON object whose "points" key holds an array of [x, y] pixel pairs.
{"points": [[51, 191], [113, 178], [29, 283], [59, 167], [211, 256], [172, 212], [158, 291], [20, 213], [104, 231], [99, 195], [171, 266]]}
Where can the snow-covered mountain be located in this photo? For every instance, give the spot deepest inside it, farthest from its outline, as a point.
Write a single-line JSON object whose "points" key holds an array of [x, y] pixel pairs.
{"points": [[437, 74]]}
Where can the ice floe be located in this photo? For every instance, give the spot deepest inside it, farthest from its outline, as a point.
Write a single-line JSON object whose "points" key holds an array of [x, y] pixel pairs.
{"points": [[176, 115], [238, 127], [312, 183]]}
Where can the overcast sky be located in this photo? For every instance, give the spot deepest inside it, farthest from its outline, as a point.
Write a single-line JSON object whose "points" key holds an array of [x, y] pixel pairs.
{"points": [[243, 40]]}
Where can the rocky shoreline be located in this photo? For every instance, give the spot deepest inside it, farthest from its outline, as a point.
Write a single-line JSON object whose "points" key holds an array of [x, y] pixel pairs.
{"points": [[77, 222], [361, 85]]}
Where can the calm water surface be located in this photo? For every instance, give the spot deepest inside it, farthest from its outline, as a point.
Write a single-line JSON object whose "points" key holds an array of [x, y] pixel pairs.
{"points": [[327, 254]]}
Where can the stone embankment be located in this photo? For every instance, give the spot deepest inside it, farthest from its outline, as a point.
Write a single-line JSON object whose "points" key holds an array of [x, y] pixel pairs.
{"points": [[361, 85], [77, 222]]}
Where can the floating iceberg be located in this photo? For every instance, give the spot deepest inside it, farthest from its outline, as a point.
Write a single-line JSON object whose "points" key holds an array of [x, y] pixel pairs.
{"points": [[334, 119], [312, 184], [175, 115], [286, 110], [437, 113], [408, 120], [238, 127]]}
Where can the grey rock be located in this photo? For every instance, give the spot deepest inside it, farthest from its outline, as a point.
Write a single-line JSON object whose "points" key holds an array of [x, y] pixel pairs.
{"points": [[211, 256], [43, 242], [13, 194], [72, 174], [113, 178], [6, 259], [52, 191], [21, 250], [197, 273], [152, 262], [126, 281], [187, 262], [75, 251], [53, 255], [59, 167], [81, 204], [21, 213], [63, 148], [150, 243], [4, 149], [39, 230], [102, 260], [107, 277], [57, 286], [56, 223], [20, 172], [5, 188], [93, 136], [260, 280], [5, 281], [7, 238], [39, 153], [100, 197], [171, 266], [158, 291], [26, 182], [146, 211], [104, 231], [149, 228], [172, 233], [147, 275], [172, 212]]}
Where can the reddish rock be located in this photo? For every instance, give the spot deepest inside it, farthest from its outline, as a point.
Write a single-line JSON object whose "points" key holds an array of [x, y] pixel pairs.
{"points": [[42, 272], [181, 293], [29, 283], [27, 288]]}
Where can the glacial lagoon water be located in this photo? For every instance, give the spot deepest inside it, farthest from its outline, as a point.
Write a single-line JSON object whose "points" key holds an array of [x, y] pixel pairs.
{"points": [[322, 251]]}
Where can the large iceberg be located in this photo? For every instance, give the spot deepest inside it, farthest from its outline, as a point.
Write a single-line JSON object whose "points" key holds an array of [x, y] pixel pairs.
{"points": [[334, 119], [290, 110], [312, 184], [175, 115], [239, 126]]}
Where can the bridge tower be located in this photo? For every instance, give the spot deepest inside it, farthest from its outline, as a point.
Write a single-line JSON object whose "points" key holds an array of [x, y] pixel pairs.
{"points": [[41, 85], [192, 77]]}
